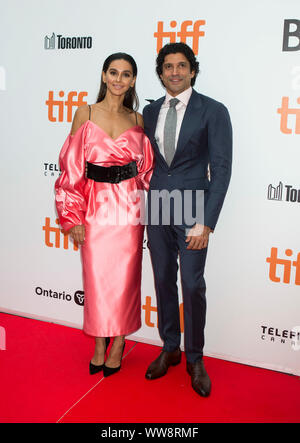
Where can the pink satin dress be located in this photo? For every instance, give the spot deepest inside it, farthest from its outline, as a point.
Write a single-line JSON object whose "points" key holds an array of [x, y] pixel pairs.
{"points": [[114, 229]]}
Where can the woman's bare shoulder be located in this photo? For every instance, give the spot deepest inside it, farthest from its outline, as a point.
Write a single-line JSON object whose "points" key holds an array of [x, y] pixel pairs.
{"points": [[140, 119], [80, 117]]}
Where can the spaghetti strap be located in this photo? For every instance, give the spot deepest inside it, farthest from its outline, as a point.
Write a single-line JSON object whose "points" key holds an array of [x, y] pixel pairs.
{"points": [[89, 112], [136, 118]]}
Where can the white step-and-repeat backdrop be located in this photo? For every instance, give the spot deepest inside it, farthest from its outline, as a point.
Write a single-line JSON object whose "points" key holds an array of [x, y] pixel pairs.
{"points": [[50, 63]]}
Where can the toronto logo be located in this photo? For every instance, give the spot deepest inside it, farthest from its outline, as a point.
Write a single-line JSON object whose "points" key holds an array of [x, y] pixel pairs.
{"points": [[61, 42], [282, 192], [275, 192]]}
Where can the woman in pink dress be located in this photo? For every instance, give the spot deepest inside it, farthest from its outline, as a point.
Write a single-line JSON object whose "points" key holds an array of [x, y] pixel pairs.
{"points": [[106, 162]]}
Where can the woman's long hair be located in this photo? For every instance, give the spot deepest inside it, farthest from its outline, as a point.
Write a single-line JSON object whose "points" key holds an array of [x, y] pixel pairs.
{"points": [[131, 100]]}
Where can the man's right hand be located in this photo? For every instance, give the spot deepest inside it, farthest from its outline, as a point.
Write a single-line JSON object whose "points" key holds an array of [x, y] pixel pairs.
{"points": [[78, 234]]}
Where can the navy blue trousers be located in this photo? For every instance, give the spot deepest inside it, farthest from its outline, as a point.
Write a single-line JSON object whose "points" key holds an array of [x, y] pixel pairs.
{"points": [[166, 243]]}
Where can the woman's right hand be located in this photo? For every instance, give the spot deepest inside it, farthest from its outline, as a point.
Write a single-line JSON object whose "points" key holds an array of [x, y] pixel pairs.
{"points": [[78, 234]]}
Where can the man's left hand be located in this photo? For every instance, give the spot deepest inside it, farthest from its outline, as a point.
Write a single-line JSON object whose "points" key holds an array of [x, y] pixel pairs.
{"points": [[198, 237]]}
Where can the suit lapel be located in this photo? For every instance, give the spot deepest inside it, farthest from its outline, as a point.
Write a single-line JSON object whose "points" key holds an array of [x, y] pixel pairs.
{"points": [[191, 121], [155, 113]]}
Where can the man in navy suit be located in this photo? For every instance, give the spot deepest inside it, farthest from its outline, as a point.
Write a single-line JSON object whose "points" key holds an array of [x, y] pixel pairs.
{"points": [[192, 139]]}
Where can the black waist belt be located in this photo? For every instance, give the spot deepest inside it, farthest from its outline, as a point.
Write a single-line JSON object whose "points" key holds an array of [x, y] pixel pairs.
{"points": [[111, 174]]}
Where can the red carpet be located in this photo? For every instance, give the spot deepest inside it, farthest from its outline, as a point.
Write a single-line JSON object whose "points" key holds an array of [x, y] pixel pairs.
{"points": [[44, 378]]}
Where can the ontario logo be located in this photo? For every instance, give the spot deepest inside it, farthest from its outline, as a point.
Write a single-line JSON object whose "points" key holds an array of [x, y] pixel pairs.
{"points": [[60, 42], [54, 294], [186, 30]]}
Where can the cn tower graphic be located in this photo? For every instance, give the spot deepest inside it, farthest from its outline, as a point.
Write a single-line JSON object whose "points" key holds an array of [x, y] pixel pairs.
{"points": [[275, 193], [49, 42]]}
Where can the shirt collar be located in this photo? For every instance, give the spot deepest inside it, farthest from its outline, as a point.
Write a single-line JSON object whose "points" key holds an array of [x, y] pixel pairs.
{"points": [[183, 97]]}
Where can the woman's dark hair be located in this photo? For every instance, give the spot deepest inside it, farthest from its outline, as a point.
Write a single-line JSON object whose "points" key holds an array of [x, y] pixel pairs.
{"points": [[174, 48], [131, 100]]}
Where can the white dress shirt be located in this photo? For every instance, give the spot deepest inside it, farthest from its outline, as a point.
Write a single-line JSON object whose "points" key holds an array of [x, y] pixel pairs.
{"points": [[183, 98]]}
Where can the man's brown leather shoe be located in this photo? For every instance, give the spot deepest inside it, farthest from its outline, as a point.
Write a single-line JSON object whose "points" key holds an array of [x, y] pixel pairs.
{"points": [[159, 367], [200, 380]]}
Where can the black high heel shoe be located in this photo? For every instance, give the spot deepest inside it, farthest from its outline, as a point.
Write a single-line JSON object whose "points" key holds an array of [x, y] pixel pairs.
{"points": [[94, 369], [107, 371]]}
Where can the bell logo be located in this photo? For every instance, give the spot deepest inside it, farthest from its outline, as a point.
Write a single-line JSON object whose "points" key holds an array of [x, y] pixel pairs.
{"points": [[70, 103], [285, 112], [286, 267], [291, 35], [56, 242], [187, 30]]}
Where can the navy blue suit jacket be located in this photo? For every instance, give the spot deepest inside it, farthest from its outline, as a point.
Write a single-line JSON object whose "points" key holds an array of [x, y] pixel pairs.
{"points": [[205, 139]]}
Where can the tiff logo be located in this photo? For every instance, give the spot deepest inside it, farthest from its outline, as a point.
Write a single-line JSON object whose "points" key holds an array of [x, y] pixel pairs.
{"points": [[149, 309], [287, 264], [187, 30], [57, 236], [2, 339], [69, 104], [285, 112]]}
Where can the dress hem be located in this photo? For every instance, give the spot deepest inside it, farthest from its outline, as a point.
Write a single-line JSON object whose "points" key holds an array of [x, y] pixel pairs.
{"points": [[113, 335]]}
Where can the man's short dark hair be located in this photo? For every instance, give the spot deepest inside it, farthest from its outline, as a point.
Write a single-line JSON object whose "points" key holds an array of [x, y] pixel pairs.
{"points": [[174, 48]]}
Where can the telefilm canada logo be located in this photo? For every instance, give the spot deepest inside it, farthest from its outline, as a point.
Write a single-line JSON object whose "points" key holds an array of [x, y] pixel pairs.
{"points": [[51, 169], [281, 192], [62, 42], [53, 294], [283, 336]]}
